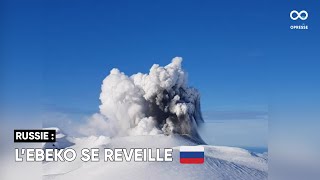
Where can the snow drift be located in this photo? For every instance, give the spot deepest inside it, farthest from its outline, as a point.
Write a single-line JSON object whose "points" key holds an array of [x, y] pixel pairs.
{"points": [[160, 102]]}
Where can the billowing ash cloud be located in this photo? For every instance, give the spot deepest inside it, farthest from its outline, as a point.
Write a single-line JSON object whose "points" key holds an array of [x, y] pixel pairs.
{"points": [[159, 102]]}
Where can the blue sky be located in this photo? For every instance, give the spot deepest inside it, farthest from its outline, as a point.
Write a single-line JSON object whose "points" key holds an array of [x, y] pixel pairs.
{"points": [[241, 55]]}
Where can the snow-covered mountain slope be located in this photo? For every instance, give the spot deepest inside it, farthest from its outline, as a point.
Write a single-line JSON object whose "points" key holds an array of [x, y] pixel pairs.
{"points": [[62, 140], [220, 162]]}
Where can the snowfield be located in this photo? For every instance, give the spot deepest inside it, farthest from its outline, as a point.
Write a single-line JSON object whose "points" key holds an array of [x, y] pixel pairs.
{"points": [[220, 162]]}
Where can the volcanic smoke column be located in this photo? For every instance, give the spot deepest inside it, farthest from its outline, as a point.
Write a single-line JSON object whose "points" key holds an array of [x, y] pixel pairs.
{"points": [[159, 102]]}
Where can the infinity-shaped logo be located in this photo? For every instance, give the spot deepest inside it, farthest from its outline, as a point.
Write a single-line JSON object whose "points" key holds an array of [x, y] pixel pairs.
{"points": [[303, 15]]}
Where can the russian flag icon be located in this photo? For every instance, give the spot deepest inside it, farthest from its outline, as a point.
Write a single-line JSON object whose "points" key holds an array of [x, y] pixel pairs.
{"points": [[191, 154]]}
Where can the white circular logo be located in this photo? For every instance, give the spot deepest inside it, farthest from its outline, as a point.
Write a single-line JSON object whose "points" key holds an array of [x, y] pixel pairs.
{"points": [[303, 15]]}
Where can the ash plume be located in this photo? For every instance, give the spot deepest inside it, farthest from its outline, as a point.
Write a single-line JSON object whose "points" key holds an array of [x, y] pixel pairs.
{"points": [[159, 102]]}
